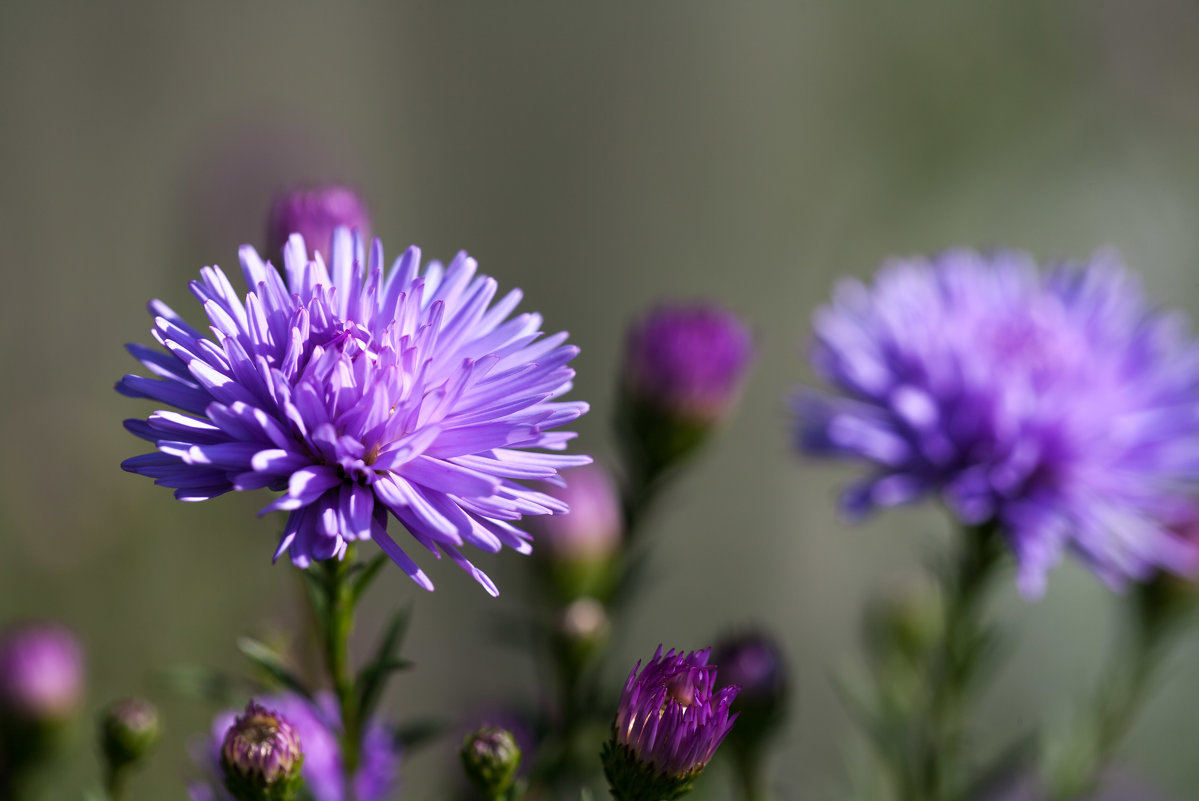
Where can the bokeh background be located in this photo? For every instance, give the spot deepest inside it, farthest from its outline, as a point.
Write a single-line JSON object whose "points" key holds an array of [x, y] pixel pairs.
{"points": [[600, 157]]}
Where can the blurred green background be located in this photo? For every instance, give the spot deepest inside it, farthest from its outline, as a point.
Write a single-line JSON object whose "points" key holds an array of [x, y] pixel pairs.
{"points": [[601, 158]]}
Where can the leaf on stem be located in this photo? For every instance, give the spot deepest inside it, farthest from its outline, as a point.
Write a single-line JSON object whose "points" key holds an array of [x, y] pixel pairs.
{"points": [[272, 664], [374, 675]]}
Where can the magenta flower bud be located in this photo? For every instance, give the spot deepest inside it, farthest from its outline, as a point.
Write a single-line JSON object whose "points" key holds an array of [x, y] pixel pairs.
{"points": [[668, 726], [754, 662], [688, 361], [261, 756], [314, 213], [41, 673]]}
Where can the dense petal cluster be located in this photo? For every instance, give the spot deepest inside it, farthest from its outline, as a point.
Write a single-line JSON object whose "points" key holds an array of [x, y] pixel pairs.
{"points": [[671, 718], [361, 393], [1056, 404], [317, 726]]}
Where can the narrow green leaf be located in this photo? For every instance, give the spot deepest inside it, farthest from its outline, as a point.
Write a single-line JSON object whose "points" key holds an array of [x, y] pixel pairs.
{"points": [[203, 683], [270, 662], [373, 677], [367, 576], [418, 733]]}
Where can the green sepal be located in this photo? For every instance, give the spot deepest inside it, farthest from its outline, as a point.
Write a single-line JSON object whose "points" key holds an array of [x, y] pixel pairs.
{"points": [[629, 779]]}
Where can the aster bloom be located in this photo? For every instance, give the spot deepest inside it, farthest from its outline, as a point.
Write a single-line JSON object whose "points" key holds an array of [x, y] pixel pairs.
{"points": [[315, 213], [361, 394], [1057, 405], [688, 360], [668, 726], [317, 726], [41, 672], [261, 756]]}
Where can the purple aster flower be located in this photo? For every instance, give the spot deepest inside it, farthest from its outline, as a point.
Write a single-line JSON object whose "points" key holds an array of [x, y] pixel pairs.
{"points": [[668, 726], [360, 394], [1057, 405], [41, 672], [593, 529], [317, 726], [315, 213], [688, 360]]}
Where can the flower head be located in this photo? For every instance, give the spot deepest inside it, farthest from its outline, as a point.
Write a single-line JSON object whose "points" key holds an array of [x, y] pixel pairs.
{"points": [[1057, 405], [261, 756], [668, 726], [315, 213], [41, 672], [317, 727], [361, 394], [688, 360]]}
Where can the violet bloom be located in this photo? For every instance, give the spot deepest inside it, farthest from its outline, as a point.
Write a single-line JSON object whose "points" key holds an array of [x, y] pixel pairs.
{"points": [[668, 726], [317, 726], [688, 360], [315, 213], [1058, 405], [361, 394], [41, 672]]}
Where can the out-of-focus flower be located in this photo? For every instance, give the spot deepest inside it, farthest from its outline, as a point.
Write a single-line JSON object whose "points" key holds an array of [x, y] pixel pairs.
{"points": [[317, 726], [1058, 405], [490, 758], [753, 661], [261, 755], [688, 361], [315, 213], [577, 550], [361, 394], [41, 673], [668, 725], [129, 730]]}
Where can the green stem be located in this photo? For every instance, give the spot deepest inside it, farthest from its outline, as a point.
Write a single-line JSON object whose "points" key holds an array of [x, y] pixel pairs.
{"points": [[1120, 694], [930, 771], [749, 776], [337, 624], [115, 781]]}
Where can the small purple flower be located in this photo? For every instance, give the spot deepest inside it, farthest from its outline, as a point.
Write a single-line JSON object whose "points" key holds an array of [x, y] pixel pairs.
{"points": [[41, 672], [669, 723], [1058, 405], [317, 727], [315, 213], [261, 754], [361, 394], [688, 360]]}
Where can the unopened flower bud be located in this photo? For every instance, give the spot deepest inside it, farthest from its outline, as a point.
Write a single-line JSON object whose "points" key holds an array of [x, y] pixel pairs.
{"points": [[314, 213], [683, 371], [576, 551], [669, 723], [129, 730], [905, 622], [754, 662], [491, 757], [261, 756]]}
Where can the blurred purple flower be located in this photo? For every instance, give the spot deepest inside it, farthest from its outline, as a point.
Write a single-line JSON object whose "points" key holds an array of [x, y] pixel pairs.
{"points": [[670, 720], [41, 672], [361, 394], [317, 727], [1058, 405], [315, 213], [593, 528], [688, 360]]}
